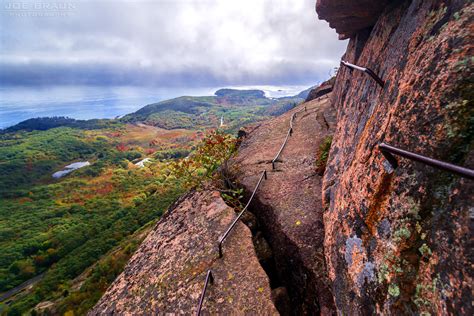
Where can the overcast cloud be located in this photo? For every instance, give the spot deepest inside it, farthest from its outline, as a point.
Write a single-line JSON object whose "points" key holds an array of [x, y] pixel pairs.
{"points": [[165, 43]]}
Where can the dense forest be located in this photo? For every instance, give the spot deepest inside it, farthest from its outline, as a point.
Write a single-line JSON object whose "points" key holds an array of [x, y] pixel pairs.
{"points": [[45, 123]]}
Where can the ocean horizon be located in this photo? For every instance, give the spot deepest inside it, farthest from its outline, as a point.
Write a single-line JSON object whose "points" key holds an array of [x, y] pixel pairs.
{"points": [[88, 102]]}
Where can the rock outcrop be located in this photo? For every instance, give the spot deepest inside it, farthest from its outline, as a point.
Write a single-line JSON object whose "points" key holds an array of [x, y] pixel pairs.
{"points": [[349, 16], [166, 274], [400, 241], [285, 204], [323, 89]]}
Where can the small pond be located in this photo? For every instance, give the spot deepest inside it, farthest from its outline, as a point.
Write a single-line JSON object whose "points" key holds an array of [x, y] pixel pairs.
{"points": [[70, 168]]}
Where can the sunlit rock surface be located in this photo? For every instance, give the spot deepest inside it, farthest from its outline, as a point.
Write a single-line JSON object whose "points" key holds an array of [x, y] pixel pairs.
{"points": [[323, 89]]}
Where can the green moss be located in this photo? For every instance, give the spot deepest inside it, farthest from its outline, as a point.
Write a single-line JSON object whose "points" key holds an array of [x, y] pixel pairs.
{"points": [[425, 250], [393, 290], [420, 301], [414, 208], [383, 273], [418, 227], [464, 64], [323, 153], [402, 233]]}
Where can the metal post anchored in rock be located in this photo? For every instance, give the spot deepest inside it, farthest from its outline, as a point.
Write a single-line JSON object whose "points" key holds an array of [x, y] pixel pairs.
{"points": [[288, 134], [209, 279], [224, 236], [388, 152], [366, 70]]}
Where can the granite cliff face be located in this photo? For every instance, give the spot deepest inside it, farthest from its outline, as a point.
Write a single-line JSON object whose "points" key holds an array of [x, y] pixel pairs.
{"points": [[400, 241]]}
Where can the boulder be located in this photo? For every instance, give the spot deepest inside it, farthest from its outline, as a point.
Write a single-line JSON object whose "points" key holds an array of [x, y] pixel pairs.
{"points": [[323, 89]]}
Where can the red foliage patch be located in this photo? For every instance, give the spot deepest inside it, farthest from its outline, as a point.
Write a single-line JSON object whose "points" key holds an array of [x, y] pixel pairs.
{"points": [[121, 147]]}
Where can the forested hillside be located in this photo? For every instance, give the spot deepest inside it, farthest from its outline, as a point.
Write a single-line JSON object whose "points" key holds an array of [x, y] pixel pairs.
{"points": [[236, 107]]}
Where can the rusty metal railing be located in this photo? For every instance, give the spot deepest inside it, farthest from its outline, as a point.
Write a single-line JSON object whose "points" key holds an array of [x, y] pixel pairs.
{"points": [[224, 236], [209, 279], [388, 152], [366, 70], [288, 134]]}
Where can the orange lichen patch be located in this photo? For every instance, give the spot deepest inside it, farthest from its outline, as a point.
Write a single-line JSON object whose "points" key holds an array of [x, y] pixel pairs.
{"points": [[378, 200], [364, 137], [195, 268]]}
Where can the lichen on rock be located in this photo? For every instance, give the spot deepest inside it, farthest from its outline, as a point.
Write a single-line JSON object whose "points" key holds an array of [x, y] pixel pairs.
{"points": [[409, 225]]}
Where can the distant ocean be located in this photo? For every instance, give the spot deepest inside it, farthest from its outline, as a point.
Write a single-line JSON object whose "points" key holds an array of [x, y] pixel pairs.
{"points": [[85, 102]]}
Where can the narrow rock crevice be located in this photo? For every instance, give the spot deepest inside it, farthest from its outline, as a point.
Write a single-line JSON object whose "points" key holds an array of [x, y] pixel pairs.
{"points": [[294, 287], [288, 206], [265, 255], [286, 268]]}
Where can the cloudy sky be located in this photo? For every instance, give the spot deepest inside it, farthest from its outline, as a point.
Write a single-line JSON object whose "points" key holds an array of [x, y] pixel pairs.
{"points": [[165, 42]]}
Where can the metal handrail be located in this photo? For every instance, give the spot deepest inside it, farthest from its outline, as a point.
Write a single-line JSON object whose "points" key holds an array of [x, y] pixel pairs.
{"points": [[388, 150], [368, 71], [209, 279], [288, 134], [224, 236]]}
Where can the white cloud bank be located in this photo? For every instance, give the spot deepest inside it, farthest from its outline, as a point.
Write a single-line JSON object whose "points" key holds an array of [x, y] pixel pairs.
{"points": [[166, 43]]}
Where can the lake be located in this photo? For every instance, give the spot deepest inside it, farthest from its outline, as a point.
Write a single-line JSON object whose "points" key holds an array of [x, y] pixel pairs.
{"points": [[86, 102], [70, 168]]}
